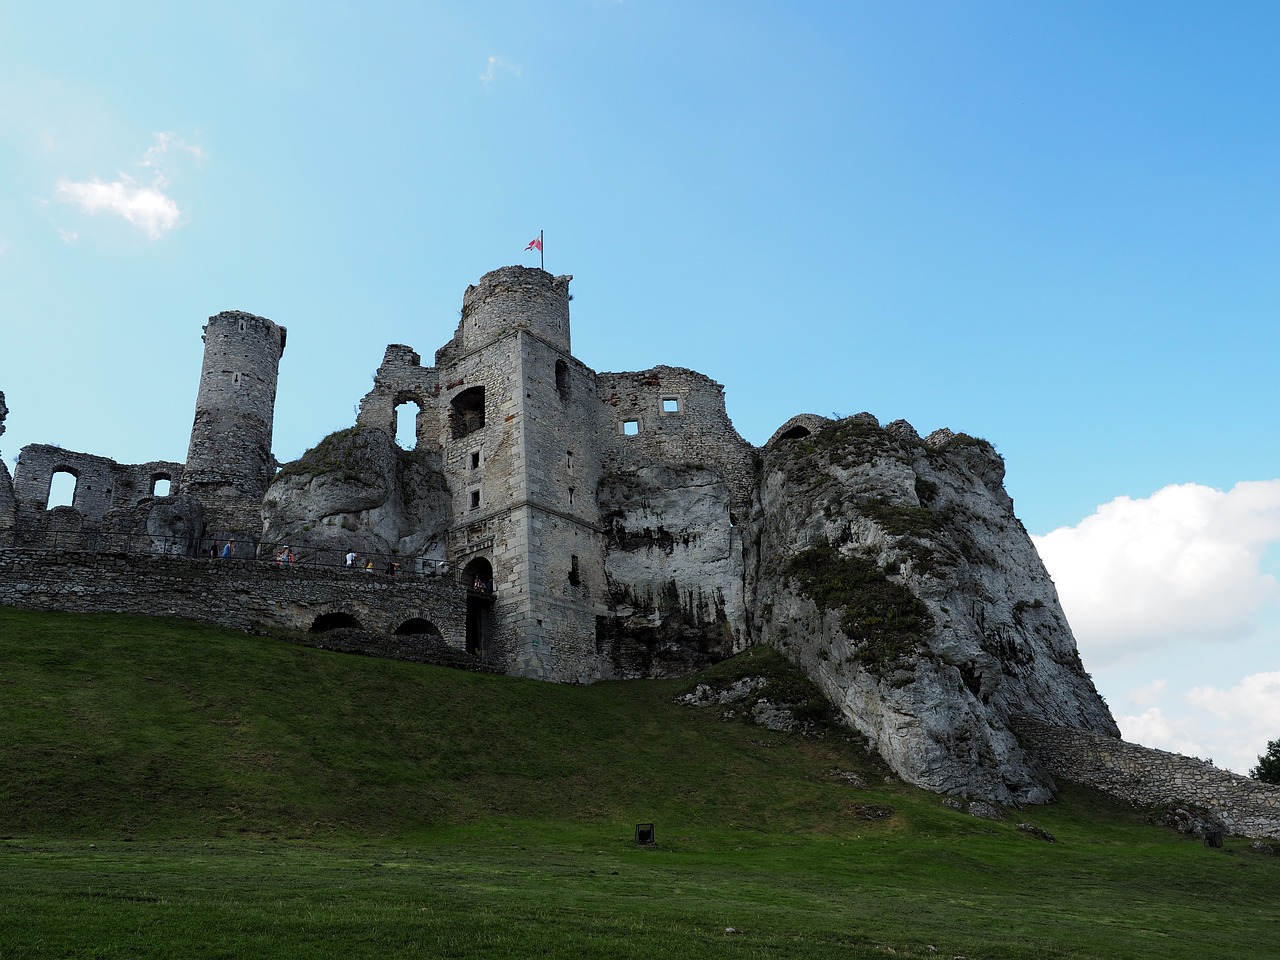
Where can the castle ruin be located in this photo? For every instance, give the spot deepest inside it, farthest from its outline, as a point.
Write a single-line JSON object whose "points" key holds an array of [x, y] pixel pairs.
{"points": [[567, 525]]}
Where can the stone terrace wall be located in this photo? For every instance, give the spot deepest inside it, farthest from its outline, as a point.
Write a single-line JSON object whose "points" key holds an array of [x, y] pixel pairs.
{"points": [[1147, 777], [240, 594]]}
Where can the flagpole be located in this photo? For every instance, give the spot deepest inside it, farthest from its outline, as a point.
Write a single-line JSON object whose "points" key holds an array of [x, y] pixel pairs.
{"points": [[542, 254]]}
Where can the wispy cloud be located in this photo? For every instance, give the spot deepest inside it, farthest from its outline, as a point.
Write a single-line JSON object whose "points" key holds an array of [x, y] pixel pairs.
{"points": [[1186, 564], [496, 64], [146, 205]]}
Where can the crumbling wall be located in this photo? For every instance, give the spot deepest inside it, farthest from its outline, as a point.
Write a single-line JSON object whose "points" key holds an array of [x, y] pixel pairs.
{"points": [[106, 493], [241, 594], [1147, 777], [672, 415], [401, 379]]}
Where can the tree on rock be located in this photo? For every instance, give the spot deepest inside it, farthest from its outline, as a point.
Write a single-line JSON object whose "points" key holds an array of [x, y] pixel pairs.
{"points": [[1268, 768]]}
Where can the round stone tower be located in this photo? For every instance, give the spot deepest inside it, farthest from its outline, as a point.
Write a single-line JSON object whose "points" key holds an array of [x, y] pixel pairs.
{"points": [[229, 461], [516, 298]]}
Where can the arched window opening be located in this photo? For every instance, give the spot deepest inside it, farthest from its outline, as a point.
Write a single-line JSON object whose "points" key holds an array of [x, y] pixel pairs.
{"points": [[62, 489], [405, 420], [562, 379], [796, 433], [418, 627], [161, 485], [467, 412], [334, 621], [478, 575]]}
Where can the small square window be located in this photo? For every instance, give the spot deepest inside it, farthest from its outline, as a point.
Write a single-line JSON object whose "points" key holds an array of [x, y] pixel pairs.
{"points": [[630, 427], [670, 404]]}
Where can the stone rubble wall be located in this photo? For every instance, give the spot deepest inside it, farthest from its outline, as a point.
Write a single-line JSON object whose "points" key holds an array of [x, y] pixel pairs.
{"points": [[1147, 777], [240, 594], [102, 485]]}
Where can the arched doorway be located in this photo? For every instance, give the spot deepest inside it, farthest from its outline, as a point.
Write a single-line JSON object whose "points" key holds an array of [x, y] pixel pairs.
{"points": [[477, 575], [334, 621]]}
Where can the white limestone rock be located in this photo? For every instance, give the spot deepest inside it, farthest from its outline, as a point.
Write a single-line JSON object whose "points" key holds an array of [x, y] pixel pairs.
{"points": [[674, 565], [357, 490], [930, 531]]}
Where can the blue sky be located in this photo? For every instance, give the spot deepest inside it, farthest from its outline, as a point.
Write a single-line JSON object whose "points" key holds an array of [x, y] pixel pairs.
{"points": [[1053, 225]]}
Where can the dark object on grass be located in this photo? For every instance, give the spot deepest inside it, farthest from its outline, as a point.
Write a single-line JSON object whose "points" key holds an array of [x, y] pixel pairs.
{"points": [[644, 834]]}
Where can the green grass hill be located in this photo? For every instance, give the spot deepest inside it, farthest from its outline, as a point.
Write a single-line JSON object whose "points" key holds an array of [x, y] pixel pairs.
{"points": [[175, 790]]}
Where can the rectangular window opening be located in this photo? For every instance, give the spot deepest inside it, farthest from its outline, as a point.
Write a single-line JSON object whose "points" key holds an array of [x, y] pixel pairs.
{"points": [[630, 428], [475, 460], [475, 499], [670, 404]]}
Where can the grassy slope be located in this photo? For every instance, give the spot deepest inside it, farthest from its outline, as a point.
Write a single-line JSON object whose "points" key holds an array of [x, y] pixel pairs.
{"points": [[171, 789]]}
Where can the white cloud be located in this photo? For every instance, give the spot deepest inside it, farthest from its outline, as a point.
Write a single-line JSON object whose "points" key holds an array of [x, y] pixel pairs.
{"points": [[1186, 564], [1149, 694], [146, 206], [495, 64], [1238, 721]]}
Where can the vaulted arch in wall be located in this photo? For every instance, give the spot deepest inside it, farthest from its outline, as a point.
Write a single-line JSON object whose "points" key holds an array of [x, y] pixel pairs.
{"points": [[334, 621], [466, 412], [418, 627], [62, 488], [796, 433]]}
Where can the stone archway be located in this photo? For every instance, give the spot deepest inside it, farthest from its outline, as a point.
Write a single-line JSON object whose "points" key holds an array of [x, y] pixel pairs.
{"points": [[335, 621], [418, 627]]}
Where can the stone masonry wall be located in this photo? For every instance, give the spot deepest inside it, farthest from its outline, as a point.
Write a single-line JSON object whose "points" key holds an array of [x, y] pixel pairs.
{"points": [[678, 417], [102, 485], [240, 594], [1147, 777]]}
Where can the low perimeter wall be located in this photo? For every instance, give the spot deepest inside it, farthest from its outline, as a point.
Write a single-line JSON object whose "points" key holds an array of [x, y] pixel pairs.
{"points": [[1148, 777], [242, 594]]}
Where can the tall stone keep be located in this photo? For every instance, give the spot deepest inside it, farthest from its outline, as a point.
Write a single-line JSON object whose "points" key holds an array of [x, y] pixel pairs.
{"points": [[229, 462], [520, 454]]}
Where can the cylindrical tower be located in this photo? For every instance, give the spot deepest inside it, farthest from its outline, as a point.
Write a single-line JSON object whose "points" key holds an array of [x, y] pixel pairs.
{"points": [[516, 298], [229, 462]]}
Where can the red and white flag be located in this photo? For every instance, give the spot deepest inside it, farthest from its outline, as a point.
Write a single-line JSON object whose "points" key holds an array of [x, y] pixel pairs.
{"points": [[535, 244]]}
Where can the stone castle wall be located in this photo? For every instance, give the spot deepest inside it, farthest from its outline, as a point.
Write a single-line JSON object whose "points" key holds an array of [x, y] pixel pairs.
{"points": [[1147, 777], [102, 485], [245, 595]]}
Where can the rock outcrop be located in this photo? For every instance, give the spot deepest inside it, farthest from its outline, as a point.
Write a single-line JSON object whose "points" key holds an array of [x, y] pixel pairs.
{"points": [[894, 571], [674, 567], [356, 488]]}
